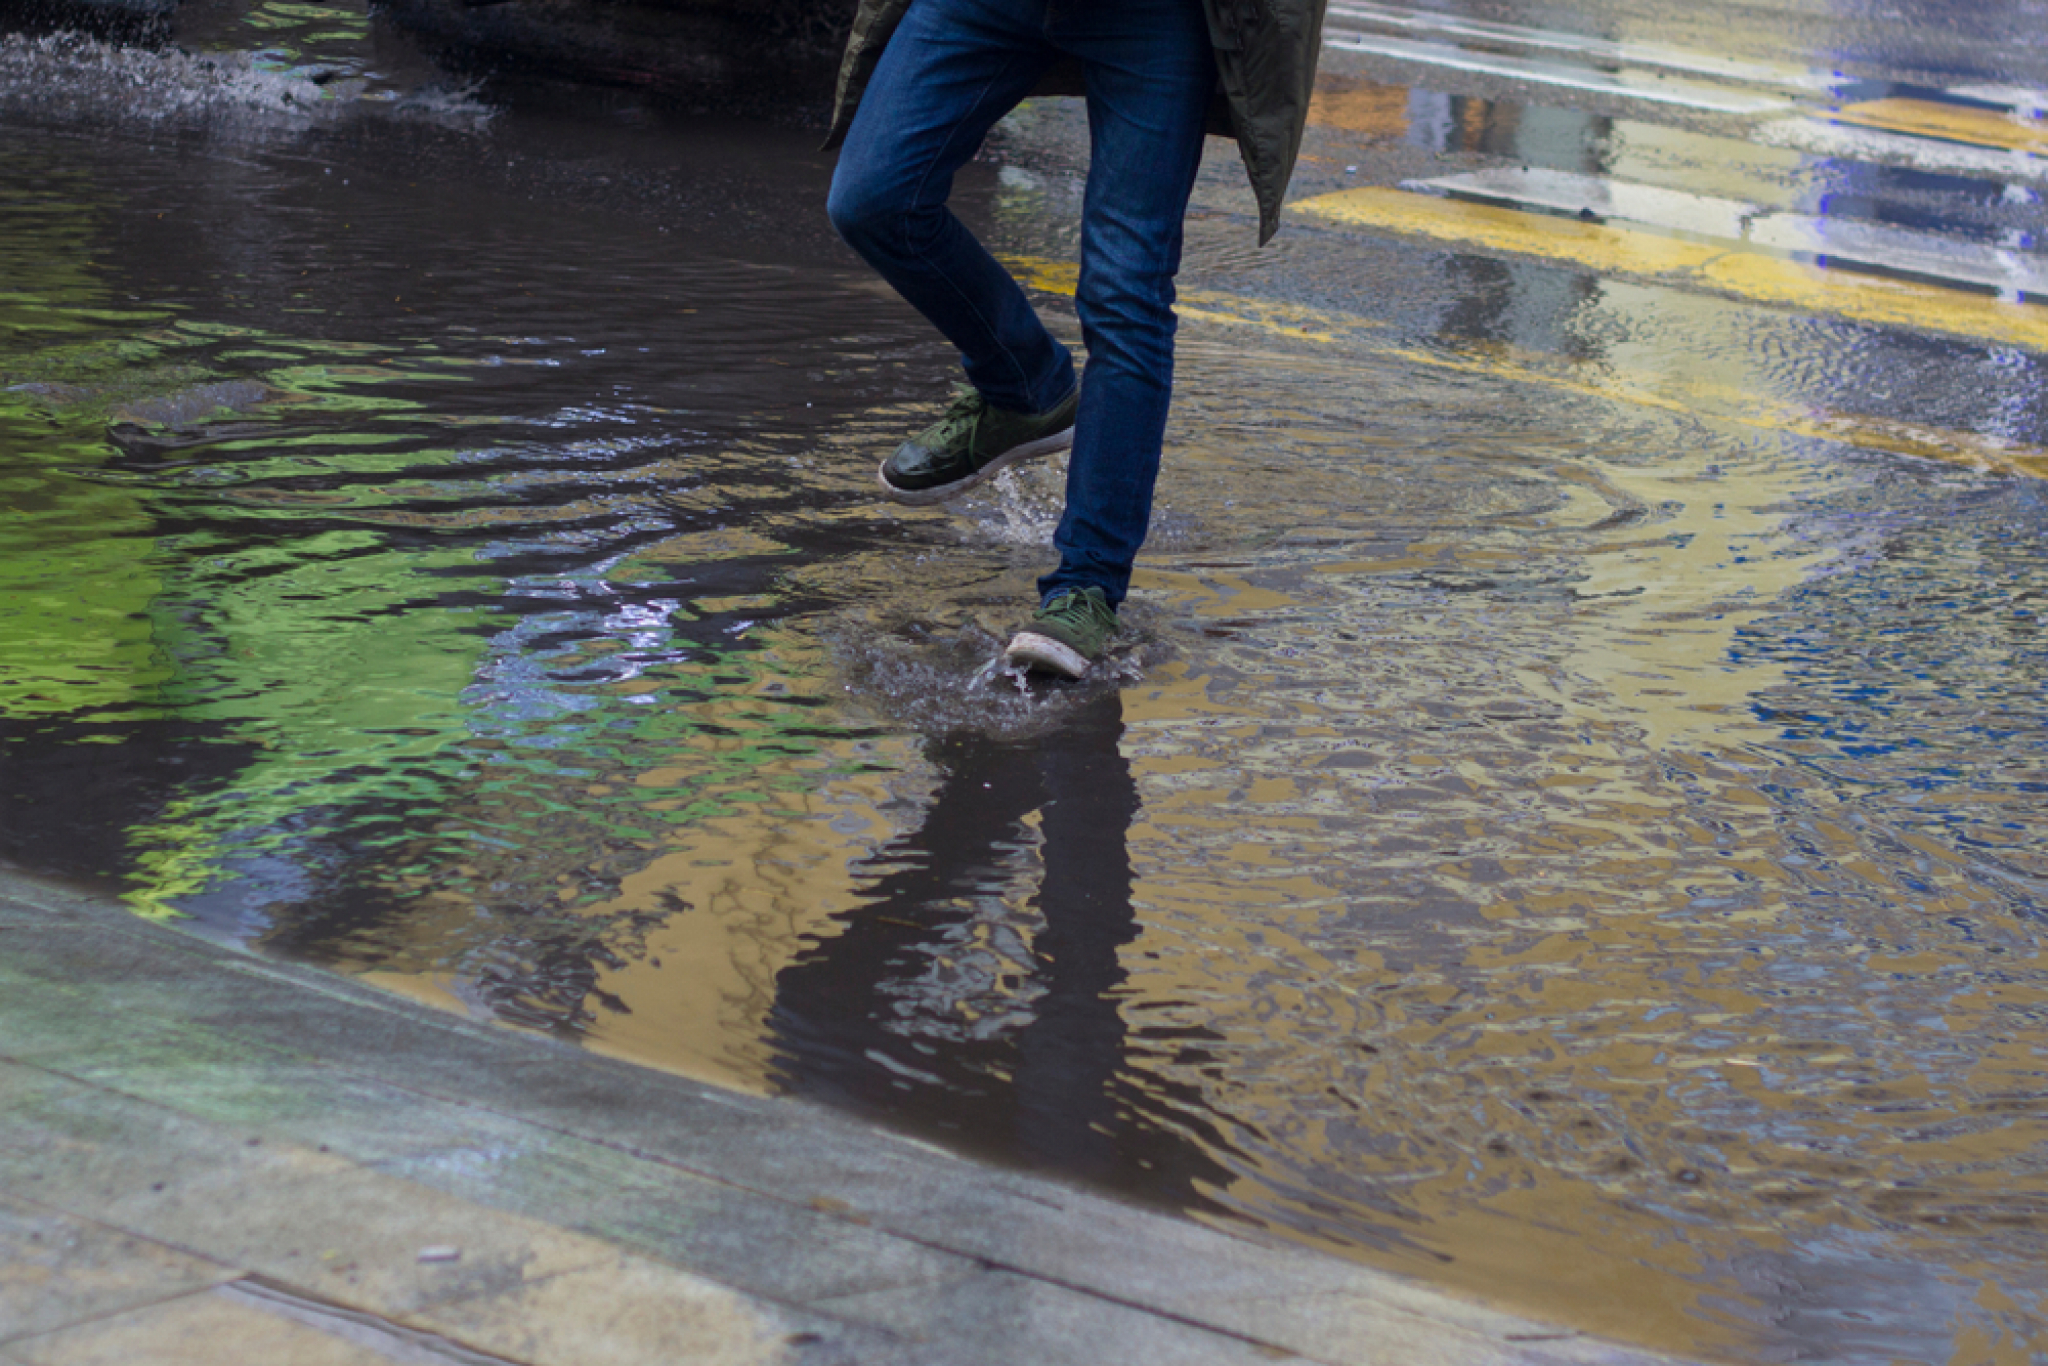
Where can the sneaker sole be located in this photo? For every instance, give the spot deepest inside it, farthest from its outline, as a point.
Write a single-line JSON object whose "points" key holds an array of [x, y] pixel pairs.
{"points": [[1043, 652], [939, 493]]}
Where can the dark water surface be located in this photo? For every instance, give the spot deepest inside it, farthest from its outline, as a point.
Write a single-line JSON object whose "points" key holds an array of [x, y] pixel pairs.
{"points": [[1583, 852]]}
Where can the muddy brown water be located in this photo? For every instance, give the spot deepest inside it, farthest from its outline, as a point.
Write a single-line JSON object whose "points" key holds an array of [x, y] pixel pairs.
{"points": [[1584, 853]]}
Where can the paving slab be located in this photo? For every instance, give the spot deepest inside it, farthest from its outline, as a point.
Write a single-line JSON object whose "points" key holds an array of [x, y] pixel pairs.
{"points": [[672, 1213], [56, 1270], [1002, 1316], [202, 1146], [198, 1330], [625, 1312]]}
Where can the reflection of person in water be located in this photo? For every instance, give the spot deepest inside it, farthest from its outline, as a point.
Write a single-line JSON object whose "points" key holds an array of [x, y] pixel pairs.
{"points": [[1028, 1069]]}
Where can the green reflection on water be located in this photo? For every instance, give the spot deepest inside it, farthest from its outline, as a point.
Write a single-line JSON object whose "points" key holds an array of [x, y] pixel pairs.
{"points": [[76, 575], [163, 558], [315, 653]]}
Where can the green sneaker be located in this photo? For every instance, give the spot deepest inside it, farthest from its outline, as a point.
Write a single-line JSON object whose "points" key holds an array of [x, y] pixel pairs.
{"points": [[1067, 634], [972, 442]]}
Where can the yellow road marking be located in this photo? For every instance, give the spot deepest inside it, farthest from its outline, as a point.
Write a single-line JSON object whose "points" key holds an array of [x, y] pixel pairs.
{"points": [[1746, 408], [1600, 246], [1949, 122], [1722, 268], [1208, 305]]}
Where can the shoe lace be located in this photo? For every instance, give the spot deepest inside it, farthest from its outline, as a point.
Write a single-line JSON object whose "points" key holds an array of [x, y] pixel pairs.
{"points": [[1075, 607], [960, 416]]}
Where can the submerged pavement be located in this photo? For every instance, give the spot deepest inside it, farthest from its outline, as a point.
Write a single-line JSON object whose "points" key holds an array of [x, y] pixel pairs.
{"points": [[207, 1156]]}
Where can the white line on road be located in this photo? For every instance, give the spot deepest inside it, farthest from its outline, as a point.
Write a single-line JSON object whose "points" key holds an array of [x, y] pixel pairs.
{"points": [[1599, 197], [1840, 239], [1647, 86], [1655, 55], [2020, 99], [1901, 249], [1899, 149]]}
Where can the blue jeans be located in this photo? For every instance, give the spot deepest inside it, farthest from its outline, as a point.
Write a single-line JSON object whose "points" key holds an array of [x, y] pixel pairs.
{"points": [[952, 68]]}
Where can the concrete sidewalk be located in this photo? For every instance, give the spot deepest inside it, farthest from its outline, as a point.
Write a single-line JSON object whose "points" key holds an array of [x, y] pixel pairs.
{"points": [[213, 1158]]}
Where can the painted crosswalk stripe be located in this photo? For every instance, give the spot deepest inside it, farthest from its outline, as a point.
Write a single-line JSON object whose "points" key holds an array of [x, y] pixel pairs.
{"points": [[2019, 99], [1880, 245], [1948, 123], [1897, 149], [1347, 15], [1743, 246], [1901, 249], [1717, 267], [1600, 197], [1964, 130], [1648, 86]]}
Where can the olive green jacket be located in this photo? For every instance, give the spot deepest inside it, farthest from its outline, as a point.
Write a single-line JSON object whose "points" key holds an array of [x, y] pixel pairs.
{"points": [[1266, 54]]}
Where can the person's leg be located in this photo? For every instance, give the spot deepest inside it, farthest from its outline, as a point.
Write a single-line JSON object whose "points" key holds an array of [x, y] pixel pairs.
{"points": [[1150, 71], [951, 69]]}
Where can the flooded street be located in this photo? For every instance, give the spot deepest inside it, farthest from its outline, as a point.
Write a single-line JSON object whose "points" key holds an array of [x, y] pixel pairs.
{"points": [[1563, 820]]}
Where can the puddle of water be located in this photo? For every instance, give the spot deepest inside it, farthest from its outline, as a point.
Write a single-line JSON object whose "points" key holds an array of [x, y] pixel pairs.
{"points": [[1579, 851]]}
